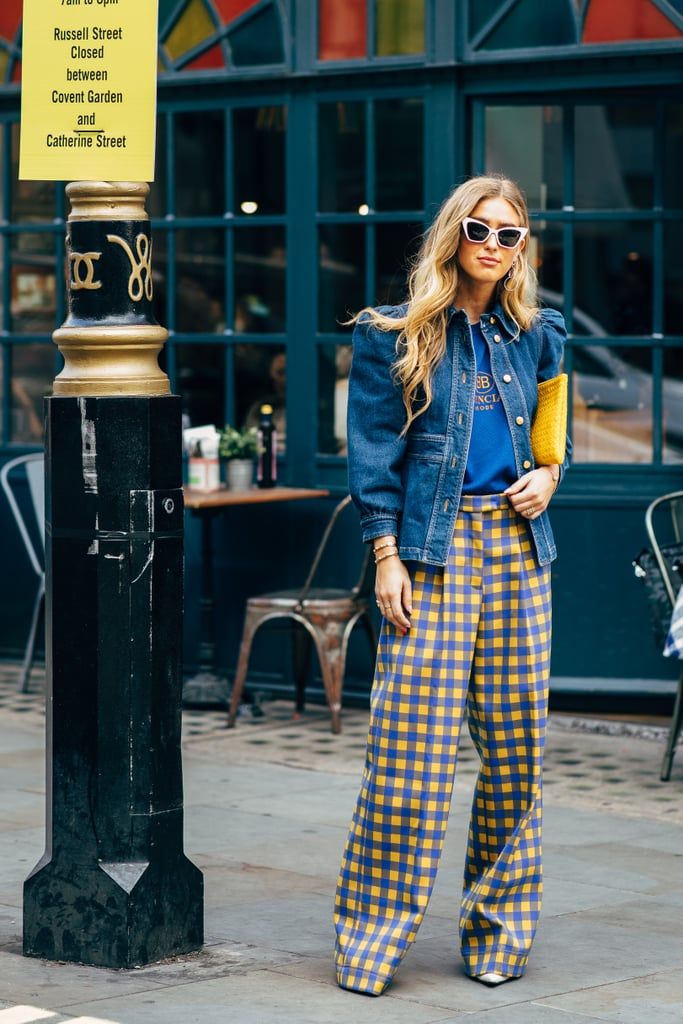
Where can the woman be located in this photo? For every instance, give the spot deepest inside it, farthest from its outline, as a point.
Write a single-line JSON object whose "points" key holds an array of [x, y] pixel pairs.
{"points": [[442, 392]]}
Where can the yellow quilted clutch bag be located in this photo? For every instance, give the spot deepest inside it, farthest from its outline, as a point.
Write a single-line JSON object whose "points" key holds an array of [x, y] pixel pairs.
{"points": [[549, 429]]}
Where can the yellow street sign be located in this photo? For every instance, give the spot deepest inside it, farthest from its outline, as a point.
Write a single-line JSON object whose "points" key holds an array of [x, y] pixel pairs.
{"points": [[88, 96]]}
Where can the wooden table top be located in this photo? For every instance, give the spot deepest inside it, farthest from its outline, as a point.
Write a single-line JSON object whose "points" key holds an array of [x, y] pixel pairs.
{"points": [[253, 496]]}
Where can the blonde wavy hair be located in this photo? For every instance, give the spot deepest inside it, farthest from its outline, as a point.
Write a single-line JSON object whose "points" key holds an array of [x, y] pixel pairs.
{"points": [[433, 285]]}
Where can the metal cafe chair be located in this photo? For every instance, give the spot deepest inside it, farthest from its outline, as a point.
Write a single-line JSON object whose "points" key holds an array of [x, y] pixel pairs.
{"points": [[327, 616], [34, 476], [661, 568]]}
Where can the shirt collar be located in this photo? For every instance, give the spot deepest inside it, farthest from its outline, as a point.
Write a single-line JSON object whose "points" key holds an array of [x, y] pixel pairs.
{"points": [[495, 317]]}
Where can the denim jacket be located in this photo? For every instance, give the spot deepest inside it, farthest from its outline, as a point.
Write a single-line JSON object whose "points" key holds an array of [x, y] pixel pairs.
{"points": [[410, 486]]}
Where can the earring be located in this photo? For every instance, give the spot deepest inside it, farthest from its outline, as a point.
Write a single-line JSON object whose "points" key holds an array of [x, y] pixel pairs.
{"points": [[509, 276]]}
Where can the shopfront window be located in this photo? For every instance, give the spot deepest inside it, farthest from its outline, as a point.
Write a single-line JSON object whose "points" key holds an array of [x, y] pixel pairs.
{"points": [[614, 156], [613, 277], [529, 146], [591, 173], [612, 404], [370, 227], [221, 274], [33, 370]]}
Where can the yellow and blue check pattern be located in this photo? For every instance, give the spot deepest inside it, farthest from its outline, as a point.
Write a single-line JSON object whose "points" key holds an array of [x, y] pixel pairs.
{"points": [[479, 643]]}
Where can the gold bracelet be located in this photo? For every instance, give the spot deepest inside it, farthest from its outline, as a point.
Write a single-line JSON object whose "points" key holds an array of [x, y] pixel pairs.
{"points": [[389, 544], [388, 555]]}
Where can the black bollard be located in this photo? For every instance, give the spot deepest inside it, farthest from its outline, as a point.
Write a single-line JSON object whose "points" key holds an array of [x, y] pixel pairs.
{"points": [[114, 887]]}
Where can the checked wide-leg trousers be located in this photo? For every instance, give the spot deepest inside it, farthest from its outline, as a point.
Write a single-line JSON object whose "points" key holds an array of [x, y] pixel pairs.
{"points": [[479, 644]]}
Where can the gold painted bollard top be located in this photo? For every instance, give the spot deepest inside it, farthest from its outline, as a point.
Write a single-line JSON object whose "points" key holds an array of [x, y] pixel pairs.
{"points": [[110, 339]]}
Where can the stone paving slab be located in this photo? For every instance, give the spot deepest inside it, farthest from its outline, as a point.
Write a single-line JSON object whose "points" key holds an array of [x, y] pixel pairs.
{"points": [[267, 809]]}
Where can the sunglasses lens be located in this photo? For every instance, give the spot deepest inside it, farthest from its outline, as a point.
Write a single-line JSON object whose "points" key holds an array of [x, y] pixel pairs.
{"points": [[476, 232], [509, 237]]}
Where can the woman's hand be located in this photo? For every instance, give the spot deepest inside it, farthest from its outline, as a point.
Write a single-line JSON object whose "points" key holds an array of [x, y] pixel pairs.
{"points": [[393, 591], [531, 494]]}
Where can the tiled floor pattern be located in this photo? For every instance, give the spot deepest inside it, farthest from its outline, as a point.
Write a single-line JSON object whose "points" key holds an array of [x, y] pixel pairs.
{"points": [[589, 762]]}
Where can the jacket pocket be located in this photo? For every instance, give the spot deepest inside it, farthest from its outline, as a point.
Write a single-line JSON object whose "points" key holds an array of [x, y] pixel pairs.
{"points": [[430, 447]]}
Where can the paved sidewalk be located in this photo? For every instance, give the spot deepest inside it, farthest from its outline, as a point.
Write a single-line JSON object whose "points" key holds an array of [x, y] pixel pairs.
{"points": [[267, 808]]}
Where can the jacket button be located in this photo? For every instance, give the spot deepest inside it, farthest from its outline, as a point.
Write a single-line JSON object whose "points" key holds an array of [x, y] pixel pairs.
{"points": [[492, 320], [463, 376], [526, 464], [507, 378], [519, 420], [445, 505], [453, 461], [496, 337]]}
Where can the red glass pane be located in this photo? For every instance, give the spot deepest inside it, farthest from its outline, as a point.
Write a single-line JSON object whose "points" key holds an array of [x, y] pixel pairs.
{"points": [[16, 72], [231, 9], [213, 58], [635, 19], [10, 16], [342, 29]]}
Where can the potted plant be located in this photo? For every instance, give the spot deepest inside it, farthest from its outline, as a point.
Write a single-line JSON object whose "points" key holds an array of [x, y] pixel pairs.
{"points": [[237, 450]]}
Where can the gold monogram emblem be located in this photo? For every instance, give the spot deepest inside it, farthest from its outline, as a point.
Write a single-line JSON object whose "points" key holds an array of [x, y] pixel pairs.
{"points": [[83, 270], [140, 280]]}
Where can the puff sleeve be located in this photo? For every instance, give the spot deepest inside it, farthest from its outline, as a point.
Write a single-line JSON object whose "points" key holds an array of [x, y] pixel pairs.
{"points": [[553, 336], [375, 415]]}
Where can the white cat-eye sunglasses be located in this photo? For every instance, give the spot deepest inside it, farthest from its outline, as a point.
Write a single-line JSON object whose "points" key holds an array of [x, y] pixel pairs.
{"points": [[506, 238]]}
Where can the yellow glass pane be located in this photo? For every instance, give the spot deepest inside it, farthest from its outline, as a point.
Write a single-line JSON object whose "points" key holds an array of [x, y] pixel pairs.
{"points": [[191, 29], [4, 61], [400, 27]]}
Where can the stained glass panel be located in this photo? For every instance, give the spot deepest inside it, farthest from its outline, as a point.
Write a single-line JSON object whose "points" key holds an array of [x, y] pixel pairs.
{"points": [[231, 9], [637, 19], [192, 28], [166, 9], [481, 12], [212, 58], [342, 29], [534, 23], [400, 27], [4, 64], [258, 40], [10, 16]]}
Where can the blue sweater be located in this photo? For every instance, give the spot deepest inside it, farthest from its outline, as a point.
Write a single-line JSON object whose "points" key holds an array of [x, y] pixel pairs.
{"points": [[491, 458]]}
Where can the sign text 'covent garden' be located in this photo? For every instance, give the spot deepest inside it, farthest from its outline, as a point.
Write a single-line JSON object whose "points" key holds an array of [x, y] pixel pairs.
{"points": [[89, 90]]}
